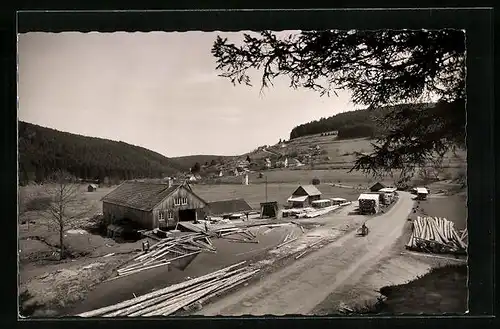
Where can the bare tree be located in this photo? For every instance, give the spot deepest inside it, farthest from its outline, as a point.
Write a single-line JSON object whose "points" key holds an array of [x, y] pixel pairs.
{"points": [[66, 204]]}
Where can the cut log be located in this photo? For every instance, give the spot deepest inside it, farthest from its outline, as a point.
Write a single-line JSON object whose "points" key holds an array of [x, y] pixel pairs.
{"points": [[201, 294], [160, 308], [140, 269], [285, 243], [166, 290]]}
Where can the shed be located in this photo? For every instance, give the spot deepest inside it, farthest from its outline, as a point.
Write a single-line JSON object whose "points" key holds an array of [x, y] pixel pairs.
{"points": [[269, 209], [153, 205], [92, 187], [377, 186], [388, 194], [322, 203], [422, 193], [336, 201], [304, 195], [228, 207]]}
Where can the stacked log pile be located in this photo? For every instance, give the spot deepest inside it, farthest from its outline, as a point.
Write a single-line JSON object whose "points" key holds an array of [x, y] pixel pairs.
{"points": [[171, 299], [168, 250], [435, 235]]}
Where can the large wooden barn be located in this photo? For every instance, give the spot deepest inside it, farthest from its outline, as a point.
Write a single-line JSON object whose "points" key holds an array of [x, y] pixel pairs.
{"points": [[153, 205]]}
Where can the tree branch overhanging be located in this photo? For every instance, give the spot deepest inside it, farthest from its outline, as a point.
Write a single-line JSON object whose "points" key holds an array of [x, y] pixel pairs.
{"points": [[379, 68]]}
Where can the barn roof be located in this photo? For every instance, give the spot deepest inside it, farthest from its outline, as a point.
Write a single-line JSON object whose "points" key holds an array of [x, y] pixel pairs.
{"points": [[311, 190], [377, 186], [229, 206], [141, 195]]}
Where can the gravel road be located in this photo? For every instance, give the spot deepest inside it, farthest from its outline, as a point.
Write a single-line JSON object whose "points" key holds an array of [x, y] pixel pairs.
{"points": [[301, 286]]}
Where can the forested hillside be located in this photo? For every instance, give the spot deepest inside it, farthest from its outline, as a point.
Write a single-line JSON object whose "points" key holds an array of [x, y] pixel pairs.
{"points": [[189, 161], [42, 150], [353, 124]]}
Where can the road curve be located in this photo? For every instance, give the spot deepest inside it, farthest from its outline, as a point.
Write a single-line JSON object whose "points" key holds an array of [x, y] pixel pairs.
{"points": [[301, 286]]}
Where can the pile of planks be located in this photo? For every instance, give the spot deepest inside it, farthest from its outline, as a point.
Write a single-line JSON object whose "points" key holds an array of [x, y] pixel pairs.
{"points": [[167, 251], [236, 234], [435, 235], [171, 299]]}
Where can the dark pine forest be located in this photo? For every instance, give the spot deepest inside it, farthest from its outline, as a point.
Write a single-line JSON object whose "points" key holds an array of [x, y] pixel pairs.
{"points": [[44, 150]]}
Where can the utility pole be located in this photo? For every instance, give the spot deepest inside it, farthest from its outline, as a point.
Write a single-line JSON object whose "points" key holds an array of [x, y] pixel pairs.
{"points": [[266, 188]]}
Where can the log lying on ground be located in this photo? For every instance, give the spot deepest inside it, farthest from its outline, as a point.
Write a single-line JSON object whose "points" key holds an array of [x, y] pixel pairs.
{"points": [[309, 247], [169, 300], [435, 235], [237, 235]]}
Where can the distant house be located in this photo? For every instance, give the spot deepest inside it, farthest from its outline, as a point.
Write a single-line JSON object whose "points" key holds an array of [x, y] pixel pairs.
{"points": [[152, 205], [226, 208], [304, 195], [268, 163], [92, 187], [377, 186], [294, 163]]}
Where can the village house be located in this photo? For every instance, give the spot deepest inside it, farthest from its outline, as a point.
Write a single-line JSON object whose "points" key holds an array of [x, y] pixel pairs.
{"points": [[294, 163], [304, 196], [92, 187], [229, 208], [153, 205], [268, 163]]}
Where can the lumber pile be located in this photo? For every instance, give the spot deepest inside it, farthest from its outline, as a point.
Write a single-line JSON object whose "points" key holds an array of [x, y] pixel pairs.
{"points": [[171, 299], [320, 212], [168, 250], [435, 235], [236, 234]]}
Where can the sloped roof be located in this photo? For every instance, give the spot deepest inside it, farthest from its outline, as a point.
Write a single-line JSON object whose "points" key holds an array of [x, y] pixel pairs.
{"points": [[229, 206], [377, 185], [367, 196], [422, 190], [297, 199], [93, 185], [140, 195], [311, 190]]}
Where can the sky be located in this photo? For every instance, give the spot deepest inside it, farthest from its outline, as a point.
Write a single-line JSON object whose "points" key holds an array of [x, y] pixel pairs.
{"points": [[157, 90]]}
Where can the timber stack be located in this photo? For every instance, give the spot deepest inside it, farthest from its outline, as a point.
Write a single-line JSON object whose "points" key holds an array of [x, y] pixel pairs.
{"points": [[167, 251], [435, 235], [179, 296]]}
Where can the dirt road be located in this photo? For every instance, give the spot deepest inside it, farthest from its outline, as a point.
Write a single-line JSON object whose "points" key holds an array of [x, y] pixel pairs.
{"points": [[300, 287]]}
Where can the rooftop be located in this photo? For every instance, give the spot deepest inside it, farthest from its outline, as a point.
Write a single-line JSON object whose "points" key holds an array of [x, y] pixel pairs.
{"points": [[140, 195], [229, 206]]}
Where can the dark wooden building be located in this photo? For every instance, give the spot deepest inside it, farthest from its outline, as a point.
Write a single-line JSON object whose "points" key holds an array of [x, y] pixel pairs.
{"points": [[92, 188], [228, 207], [153, 205], [377, 186]]}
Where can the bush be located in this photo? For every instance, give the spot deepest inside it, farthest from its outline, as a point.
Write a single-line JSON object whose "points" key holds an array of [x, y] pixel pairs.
{"points": [[316, 181]]}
